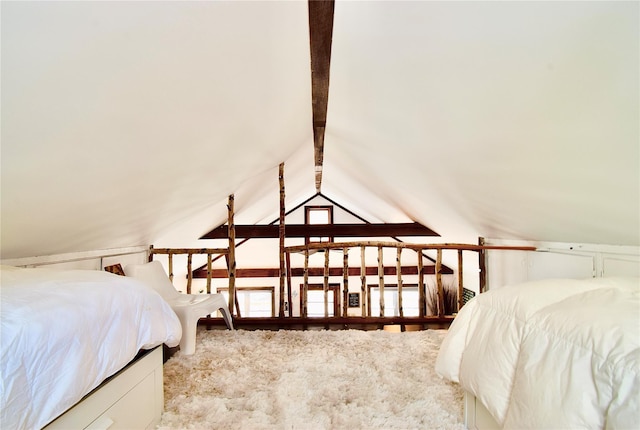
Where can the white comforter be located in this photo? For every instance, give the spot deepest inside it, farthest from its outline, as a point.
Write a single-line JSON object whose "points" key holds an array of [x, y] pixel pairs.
{"points": [[64, 332], [551, 354]]}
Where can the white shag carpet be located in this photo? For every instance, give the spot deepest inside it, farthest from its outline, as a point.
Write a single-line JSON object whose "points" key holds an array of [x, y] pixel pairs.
{"points": [[347, 379]]}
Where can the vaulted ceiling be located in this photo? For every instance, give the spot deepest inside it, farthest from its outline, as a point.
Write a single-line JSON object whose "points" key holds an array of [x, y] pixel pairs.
{"points": [[125, 123]]}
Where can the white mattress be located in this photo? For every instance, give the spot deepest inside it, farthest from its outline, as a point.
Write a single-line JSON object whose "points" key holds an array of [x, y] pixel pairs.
{"points": [[64, 332], [551, 354]]}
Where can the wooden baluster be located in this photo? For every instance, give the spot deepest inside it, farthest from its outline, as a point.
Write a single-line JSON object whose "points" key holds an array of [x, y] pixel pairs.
{"points": [[363, 280], [209, 261], [288, 261], [422, 297], [439, 283], [231, 257], [482, 261], [381, 279], [189, 274], [460, 279], [399, 273], [345, 281], [325, 286], [305, 285], [281, 230], [170, 257]]}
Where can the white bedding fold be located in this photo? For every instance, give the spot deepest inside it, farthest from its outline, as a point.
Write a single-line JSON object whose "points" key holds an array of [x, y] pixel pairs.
{"points": [[64, 332], [551, 354]]}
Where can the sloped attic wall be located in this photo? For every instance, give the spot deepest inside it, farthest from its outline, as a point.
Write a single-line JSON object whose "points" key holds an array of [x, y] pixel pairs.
{"points": [[503, 119], [514, 120], [124, 122], [120, 119]]}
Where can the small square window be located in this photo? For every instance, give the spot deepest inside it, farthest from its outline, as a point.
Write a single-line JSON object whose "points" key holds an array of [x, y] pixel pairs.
{"points": [[318, 215]]}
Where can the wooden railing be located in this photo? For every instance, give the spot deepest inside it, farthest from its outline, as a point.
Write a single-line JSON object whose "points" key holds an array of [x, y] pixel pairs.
{"points": [[419, 249], [346, 247], [190, 252]]}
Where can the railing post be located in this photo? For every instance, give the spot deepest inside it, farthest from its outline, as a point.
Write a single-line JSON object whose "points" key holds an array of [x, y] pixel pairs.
{"points": [[482, 266], [381, 279], [281, 229], [232, 255], [288, 261], [170, 259], [209, 262], [363, 280], [460, 280], [399, 273], [325, 285], [189, 274], [305, 285], [422, 297], [439, 283], [345, 281]]}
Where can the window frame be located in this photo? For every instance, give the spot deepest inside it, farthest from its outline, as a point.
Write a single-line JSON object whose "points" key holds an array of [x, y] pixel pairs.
{"points": [[269, 289], [394, 289], [334, 287], [307, 221]]}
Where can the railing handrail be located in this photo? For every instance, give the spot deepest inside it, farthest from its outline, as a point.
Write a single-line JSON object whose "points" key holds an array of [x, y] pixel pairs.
{"points": [[414, 246]]}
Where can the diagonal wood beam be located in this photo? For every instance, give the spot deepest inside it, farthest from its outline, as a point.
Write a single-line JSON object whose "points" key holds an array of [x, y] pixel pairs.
{"points": [[320, 35]]}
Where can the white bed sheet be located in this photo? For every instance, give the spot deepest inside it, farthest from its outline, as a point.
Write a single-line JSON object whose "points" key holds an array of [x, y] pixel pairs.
{"points": [[64, 332], [551, 354]]}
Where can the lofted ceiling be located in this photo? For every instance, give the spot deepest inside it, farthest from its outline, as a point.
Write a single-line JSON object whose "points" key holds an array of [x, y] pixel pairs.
{"points": [[128, 123]]}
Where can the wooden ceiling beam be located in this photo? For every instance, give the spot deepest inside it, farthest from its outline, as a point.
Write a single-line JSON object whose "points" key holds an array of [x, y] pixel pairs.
{"points": [[320, 36], [324, 230]]}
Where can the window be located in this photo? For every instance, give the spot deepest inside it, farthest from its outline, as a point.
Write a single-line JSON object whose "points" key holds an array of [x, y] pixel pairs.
{"points": [[253, 301], [315, 300], [314, 215], [410, 301]]}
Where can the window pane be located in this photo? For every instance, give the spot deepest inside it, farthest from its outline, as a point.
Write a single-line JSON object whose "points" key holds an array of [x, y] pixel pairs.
{"points": [[315, 303], [410, 299], [252, 303], [319, 216]]}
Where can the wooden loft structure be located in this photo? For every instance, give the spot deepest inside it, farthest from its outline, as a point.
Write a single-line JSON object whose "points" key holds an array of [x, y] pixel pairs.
{"points": [[287, 271], [321, 15]]}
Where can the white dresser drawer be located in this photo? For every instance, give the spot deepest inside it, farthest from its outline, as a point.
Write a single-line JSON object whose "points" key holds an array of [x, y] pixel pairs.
{"points": [[132, 399]]}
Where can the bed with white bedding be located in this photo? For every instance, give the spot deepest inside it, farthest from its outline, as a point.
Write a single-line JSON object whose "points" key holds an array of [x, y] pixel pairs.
{"points": [[551, 354], [63, 332]]}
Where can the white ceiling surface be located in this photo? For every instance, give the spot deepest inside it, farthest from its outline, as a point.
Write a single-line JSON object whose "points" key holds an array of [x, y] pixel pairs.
{"points": [[127, 123]]}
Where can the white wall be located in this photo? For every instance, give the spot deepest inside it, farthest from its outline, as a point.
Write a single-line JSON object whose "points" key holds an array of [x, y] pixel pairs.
{"points": [[558, 260]]}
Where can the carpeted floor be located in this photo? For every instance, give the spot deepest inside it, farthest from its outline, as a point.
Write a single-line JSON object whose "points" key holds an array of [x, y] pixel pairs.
{"points": [[347, 379]]}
